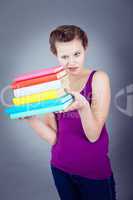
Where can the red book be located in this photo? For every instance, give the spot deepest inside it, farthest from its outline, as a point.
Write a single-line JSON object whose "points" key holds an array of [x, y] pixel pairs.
{"points": [[38, 80], [39, 73]]}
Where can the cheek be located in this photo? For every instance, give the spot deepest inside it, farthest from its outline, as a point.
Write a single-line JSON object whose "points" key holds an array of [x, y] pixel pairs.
{"points": [[81, 59], [62, 61]]}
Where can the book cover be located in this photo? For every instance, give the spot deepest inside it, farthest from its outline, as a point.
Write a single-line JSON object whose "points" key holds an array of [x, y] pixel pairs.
{"points": [[39, 73], [41, 111], [33, 89], [42, 79], [50, 94], [42, 104]]}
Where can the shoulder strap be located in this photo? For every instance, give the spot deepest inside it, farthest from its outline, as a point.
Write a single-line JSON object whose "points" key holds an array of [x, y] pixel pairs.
{"points": [[88, 89]]}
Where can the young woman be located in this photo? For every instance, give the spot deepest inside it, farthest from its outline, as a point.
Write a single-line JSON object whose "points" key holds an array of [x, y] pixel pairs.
{"points": [[79, 156]]}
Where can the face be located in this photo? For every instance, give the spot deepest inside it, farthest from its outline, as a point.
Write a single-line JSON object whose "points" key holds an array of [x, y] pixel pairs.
{"points": [[71, 55]]}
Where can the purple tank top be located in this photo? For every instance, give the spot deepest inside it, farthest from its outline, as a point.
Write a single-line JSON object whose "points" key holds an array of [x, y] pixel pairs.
{"points": [[73, 152]]}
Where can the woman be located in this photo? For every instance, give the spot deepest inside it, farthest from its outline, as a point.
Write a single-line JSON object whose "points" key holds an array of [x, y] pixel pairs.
{"points": [[79, 161]]}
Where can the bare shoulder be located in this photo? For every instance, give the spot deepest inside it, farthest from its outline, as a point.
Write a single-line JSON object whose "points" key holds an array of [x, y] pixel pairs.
{"points": [[100, 77]]}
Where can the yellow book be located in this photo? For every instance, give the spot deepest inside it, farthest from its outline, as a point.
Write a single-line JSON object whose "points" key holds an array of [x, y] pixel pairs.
{"points": [[50, 94]]}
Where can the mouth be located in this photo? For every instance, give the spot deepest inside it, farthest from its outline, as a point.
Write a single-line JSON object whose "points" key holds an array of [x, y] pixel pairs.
{"points": [[72, 68]]}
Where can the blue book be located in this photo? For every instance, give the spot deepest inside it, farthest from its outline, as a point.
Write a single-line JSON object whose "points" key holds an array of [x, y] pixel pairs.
{"points": [[40, 111], [38, 105]]}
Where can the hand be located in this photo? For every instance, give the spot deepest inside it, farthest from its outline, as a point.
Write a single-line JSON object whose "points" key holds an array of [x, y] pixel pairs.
{"points": [[79, 103]]}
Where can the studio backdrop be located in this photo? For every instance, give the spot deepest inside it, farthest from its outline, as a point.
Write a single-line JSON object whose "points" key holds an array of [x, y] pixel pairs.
{"points": [[24, 32]]}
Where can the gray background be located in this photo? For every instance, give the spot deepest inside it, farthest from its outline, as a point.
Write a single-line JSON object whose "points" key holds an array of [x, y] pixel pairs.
{"points": [[24, 32]]}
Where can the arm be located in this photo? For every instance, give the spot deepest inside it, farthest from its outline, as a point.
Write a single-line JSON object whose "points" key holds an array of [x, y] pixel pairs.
{"points": [[45, 127], [93, 117]]}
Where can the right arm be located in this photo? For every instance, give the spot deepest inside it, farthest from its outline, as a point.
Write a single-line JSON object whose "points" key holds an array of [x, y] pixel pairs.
{"points": [[46, 127]]}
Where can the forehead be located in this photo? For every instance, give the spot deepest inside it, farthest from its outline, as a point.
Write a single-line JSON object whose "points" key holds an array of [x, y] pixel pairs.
{"points": [[68, 47]]}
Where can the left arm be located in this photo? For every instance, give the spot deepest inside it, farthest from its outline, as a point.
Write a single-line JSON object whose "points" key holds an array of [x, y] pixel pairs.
{"points": [[93, 117]]}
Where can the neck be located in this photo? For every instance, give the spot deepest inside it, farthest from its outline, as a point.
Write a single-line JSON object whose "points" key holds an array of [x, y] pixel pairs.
{"points": [[76, 76]]}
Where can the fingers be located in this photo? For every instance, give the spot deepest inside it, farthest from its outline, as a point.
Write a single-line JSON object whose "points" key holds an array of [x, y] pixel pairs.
{"points": [[26, 118], [73, 93], [60, 111], [21, 118], [75, 105]]}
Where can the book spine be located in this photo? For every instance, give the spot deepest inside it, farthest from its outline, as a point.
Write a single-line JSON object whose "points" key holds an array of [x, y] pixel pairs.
{"points": [[51, 94], [33, 89], [41, 111], [38, 80], [42, 104], [39, 73]]}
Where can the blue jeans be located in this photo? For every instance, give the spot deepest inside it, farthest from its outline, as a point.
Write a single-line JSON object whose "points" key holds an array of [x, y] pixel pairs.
{"points": [[75, 187]]}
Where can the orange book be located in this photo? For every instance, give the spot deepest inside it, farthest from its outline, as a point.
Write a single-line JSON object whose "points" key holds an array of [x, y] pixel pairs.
{"points": [[34, 81]]}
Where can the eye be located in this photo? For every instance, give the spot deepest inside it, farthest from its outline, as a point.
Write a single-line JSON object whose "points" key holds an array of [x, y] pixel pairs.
{"points": [[64, 57], [77, 54]]}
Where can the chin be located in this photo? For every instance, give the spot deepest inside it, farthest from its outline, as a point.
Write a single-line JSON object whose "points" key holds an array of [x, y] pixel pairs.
{"points": [[76, 72]]}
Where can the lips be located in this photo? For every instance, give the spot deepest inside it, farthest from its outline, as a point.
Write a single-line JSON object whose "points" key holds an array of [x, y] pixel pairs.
{"points": [[72, 67]]}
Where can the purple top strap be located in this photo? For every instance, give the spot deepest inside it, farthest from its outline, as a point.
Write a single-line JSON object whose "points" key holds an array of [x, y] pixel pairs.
{"points": [[87, 91]]}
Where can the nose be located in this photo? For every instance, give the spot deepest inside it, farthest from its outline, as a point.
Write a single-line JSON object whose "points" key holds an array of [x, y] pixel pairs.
{"points": [[71, 61]]}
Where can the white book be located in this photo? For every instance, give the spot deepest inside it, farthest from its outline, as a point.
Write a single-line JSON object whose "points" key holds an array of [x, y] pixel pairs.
{"points": [[34, 89]]}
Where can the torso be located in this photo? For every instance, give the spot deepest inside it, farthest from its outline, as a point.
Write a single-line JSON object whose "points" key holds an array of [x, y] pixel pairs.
{"points": [[73, 153]]}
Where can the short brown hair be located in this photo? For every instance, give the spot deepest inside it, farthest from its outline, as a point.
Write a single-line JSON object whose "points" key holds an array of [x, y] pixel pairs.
{"points": [[67, 33]]}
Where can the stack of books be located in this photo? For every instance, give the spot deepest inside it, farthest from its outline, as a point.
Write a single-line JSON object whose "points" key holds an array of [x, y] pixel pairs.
{"points": [[39, 92]]}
